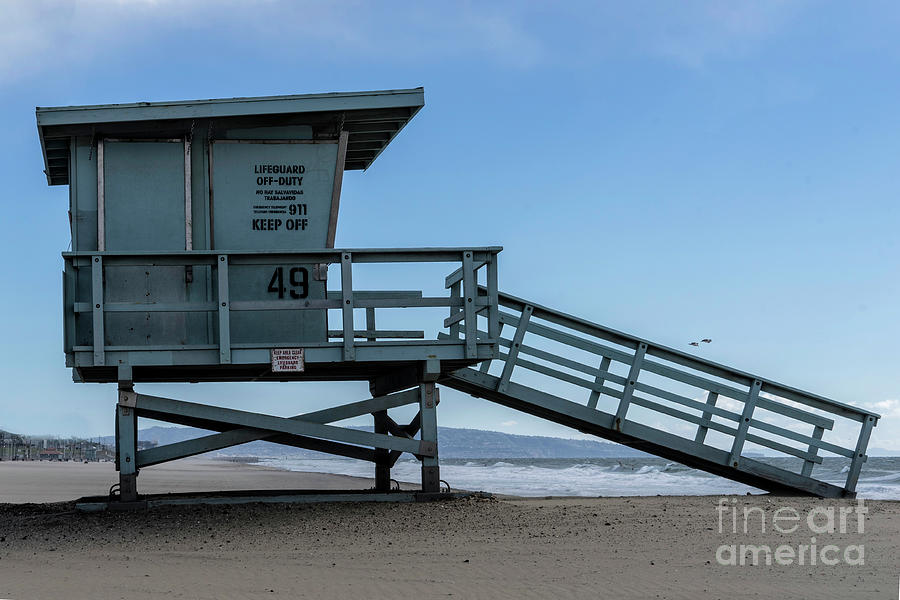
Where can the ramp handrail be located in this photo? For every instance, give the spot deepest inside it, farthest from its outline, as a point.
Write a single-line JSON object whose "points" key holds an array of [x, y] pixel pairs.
{"points": [[667, 367]]}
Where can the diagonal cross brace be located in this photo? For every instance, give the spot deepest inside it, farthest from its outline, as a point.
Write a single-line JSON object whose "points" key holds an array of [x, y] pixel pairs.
{"points": [[174, 451], [405, 430], [242, 435]]}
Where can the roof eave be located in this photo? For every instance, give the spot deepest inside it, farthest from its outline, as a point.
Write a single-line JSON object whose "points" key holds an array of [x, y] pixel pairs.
{"points": [[44, 154], [230, 107], [391, 138]]}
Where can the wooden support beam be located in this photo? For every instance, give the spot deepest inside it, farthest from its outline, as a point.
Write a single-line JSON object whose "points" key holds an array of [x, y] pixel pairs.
{"points": [[233, 436], [859, 457], [382, 456], [510, 363], [630, 382], [599, 380], [347, 305], [159, 408], [703, 427], [126, 444], [431, 475], [818, 432], [744, 424], [224, 307]]}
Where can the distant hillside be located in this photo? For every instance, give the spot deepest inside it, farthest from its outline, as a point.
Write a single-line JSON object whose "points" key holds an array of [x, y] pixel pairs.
{"points": [[454, 443]]}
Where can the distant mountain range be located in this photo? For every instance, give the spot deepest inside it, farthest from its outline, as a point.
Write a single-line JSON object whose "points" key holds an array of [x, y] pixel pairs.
{"points": [[454, 443]]}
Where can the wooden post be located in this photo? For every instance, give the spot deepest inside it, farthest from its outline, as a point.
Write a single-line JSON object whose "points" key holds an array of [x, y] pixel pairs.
{"points": [[813, 449], [126, 442], [703, 427], [382, 456], [746, 415], [859, 454], [431, 472]]}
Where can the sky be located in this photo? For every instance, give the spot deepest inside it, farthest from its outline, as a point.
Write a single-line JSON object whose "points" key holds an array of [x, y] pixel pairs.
{"points": [[675, 170]]}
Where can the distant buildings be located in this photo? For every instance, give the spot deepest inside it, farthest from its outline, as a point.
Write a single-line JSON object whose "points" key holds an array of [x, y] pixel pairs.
{"points": [[14, 446]]}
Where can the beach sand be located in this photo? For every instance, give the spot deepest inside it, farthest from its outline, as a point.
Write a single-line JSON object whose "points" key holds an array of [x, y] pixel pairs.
{"points": [[36, 481], [651, 547]]}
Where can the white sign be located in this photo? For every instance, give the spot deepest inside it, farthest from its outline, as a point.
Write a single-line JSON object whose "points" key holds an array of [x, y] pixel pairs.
{"points": [[287, 360]]}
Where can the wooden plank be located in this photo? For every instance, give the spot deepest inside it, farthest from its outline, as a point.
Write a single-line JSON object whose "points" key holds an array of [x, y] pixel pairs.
{"points": [[859, 457], [544, 370], [470, 292], [700, 437], [101, 199], [159, 408], [336, 189], [374, 334], [457, 275], [347, 304], [709, 409], [493, 299], [429, 433], [691, 362], [188, 208], [813, 449], [224, 315], [233, 437], [370, 327], [83, 307], [744, 424], [734, 393], [513, 354], [690, 403], [654, 440], [600, 379], [455, 294], [97, 323], [630, 382], [799, 437]]}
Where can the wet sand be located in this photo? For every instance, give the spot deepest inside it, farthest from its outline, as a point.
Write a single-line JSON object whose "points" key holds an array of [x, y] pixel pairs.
{"points": [[653, 547]]}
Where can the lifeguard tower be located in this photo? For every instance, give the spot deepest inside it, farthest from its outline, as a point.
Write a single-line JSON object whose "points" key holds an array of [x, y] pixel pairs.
{"points": [[202, 238]]}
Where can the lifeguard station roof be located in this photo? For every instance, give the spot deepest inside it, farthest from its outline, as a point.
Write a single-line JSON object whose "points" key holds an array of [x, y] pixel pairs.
{"points": [[371, 118]]}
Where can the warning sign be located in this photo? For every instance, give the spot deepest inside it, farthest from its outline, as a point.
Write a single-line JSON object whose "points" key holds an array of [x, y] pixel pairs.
{"points": [[287, 360]]}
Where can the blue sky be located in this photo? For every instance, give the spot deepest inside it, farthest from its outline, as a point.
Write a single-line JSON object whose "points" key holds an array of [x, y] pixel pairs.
{"points": [[674, 170]]}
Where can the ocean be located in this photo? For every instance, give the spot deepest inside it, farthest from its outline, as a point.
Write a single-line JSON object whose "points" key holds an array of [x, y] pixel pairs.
{"points": [[880, 478]]}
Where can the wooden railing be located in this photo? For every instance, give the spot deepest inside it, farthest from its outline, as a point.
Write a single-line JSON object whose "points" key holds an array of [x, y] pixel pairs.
{"points": [[90, 296], [675, 389]]}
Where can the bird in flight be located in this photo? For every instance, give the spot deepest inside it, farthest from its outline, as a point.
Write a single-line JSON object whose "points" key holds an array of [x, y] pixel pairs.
{"points": [[703, 341]]}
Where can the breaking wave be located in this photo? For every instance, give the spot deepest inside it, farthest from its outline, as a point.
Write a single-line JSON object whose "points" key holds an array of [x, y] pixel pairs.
{"points": [[592, 477]]}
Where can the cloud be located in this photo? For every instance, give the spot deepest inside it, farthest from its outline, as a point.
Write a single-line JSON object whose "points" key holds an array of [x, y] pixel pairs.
{"points": [[688, 34], [39, 36], [889, 408], [509, 423], [46, 36], [704, 31]]}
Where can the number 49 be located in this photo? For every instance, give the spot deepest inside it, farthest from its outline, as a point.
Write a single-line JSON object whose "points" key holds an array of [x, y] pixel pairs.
{"points": [[298, 278]]}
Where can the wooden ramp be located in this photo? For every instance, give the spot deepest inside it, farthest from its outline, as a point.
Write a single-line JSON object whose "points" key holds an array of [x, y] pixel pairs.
{"points": [[665, 402]]}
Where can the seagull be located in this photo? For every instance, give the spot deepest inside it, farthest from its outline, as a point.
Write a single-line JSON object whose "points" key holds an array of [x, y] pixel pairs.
{"points": [[706, 341], [694, 344]]}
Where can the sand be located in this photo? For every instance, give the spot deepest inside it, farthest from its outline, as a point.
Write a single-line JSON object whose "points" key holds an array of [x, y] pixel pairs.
{"points": [[36, 481], [652, 547]]}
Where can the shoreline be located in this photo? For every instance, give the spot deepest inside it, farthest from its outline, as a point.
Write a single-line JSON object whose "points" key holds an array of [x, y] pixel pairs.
{"points": [[26, 482]]}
